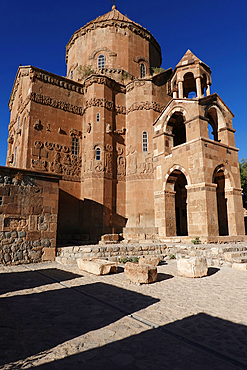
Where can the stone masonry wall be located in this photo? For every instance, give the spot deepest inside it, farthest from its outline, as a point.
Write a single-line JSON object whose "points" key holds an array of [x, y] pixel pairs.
{"points": [[28, 216]]}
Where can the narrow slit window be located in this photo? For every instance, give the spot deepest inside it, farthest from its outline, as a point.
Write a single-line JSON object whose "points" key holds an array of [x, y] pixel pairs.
{"points": [[18, 123], [1, 201], [98, 154], [101, 61], [75, 146], [71, 74], [143, 70], [144, 141], [98, 117]]}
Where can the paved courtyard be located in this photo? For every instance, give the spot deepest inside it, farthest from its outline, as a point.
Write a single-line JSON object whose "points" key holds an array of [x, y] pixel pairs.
{"points": [[58, 317]]}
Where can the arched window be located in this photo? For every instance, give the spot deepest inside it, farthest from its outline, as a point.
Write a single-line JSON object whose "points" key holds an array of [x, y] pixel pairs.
{"points": [[101, 61], [98, 154], [142, 70], [75, 146], [144, 141]]}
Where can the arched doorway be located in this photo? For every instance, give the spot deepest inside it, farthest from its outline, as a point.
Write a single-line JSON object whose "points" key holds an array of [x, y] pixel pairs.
{"points": [[220, 180], [176, 212]]}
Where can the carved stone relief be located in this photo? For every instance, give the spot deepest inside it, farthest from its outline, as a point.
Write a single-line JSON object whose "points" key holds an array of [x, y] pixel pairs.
{"points": [[145, 106], [46, 100], [38, 126], [62, 162], [39, 164]]}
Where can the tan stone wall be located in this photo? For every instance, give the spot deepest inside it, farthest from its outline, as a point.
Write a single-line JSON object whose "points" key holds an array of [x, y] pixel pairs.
{"points": [[28, 219]]}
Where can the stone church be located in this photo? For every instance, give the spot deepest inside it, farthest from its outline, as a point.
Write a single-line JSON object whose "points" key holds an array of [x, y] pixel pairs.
{"points": [[120, 145]]}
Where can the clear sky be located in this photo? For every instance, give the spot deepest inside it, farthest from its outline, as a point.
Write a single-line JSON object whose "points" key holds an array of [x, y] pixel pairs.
{"points": [[36, 33]]}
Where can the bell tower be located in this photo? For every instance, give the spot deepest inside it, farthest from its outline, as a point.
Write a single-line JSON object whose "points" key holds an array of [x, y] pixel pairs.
{"points": [[192, 78]]}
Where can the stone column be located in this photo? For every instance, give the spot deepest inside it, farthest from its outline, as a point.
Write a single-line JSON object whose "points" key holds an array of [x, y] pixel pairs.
{"points": [[198, 87], [208, 90], [175, 94], [202, 210], [180, 90]]}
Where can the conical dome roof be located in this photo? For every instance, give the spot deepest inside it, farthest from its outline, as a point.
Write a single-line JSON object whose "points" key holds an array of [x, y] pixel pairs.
{"points": [[113, 17]]}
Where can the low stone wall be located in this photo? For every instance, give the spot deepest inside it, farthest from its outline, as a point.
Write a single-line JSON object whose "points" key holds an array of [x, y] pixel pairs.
{"points": [[69, 255], [214, 253], [28, 216]]}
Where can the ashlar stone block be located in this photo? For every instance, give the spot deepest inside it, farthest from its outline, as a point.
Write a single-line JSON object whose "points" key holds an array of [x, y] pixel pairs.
{"points": [[193, 267], [96, 266], [142, 274], [149, 260]]}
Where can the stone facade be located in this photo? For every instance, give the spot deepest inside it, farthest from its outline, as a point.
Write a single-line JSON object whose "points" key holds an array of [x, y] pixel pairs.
{"points": [[28, 216], [128, 141]]}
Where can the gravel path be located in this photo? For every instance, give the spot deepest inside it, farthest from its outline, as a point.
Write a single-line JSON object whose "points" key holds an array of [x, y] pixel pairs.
{"points": [[54, 316]]}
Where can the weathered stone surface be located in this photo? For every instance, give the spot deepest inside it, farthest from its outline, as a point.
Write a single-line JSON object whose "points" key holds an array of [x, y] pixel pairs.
{"points": [[48, 254], [239, 266], [149, 260], [143, 274], [192, 267], [110, 238], [96, 266]]}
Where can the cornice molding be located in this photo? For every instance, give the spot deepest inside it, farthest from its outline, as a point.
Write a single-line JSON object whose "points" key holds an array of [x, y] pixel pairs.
{"points": [[135, 28]]}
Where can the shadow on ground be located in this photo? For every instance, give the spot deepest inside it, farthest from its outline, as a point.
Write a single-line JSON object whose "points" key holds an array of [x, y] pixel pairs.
{"points": [[14, 281], [31, 324], [36, 322], [199, 342]]}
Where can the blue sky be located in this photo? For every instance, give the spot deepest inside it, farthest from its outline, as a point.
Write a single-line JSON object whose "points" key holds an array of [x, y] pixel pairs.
{"points": [[36, 33]]}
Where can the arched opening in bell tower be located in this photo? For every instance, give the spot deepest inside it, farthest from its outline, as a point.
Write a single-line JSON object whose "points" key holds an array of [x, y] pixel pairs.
{"points": [[189, 86], [220, 180], [177, 126]]}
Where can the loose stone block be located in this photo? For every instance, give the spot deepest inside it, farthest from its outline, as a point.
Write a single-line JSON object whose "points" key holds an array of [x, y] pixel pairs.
{"points": [[149, 260], [239, 266], [143, 274], [192, 267], [96, 266]]}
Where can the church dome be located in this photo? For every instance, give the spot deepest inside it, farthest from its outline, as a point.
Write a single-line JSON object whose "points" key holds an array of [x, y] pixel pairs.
{"points": [[125, 43]]}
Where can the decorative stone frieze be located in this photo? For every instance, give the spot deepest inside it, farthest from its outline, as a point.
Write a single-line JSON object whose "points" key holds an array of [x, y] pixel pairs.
{"points": [[46, 100], [145, 106], [103, 80]]}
